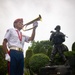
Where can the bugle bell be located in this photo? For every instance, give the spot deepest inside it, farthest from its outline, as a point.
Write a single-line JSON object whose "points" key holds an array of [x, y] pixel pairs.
{"points": [[36, 19]]}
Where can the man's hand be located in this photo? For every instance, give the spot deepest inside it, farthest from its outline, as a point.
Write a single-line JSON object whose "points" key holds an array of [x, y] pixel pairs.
{"points": [[7, 57], [35, 24]]}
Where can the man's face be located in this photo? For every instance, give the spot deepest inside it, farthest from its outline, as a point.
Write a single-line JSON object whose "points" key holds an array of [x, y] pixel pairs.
{"points": [[19, 24], [57, 30]]}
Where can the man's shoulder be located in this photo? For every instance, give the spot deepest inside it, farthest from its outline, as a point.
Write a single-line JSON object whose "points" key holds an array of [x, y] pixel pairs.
{"points": [[10, 29]]}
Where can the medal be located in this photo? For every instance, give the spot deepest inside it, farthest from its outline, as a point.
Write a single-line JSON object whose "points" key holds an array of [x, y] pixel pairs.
{"points": [[20, 42], [19, 36]]}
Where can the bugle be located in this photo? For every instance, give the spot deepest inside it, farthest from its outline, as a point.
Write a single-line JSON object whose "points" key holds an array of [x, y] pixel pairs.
{"points": [[36, 19]]}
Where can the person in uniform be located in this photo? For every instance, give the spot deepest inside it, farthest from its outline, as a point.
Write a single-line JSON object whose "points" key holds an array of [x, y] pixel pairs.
{"points": [[57, 38], [14, 41]]}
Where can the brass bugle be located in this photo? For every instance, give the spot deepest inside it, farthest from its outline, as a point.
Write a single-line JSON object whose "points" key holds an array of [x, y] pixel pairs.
{"points": [[37, 19]]}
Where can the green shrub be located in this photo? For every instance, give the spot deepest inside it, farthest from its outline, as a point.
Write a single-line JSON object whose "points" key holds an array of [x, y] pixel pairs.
{"points": [[26, 62], [69, 53], [37, 61], [71, 57], [41, 47], [64, 48], [29, 53], [73, 46], [3, 63], [49, 51], [26, 72]]}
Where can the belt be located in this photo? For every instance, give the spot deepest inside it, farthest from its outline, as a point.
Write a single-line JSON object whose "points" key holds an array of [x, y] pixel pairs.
{"points": [[16, 48]]}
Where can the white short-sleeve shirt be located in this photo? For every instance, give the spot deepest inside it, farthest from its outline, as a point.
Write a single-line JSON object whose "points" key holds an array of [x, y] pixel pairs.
{"points": [[13, 39]]}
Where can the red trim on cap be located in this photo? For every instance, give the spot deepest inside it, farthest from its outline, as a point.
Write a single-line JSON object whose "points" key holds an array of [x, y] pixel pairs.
{"points": [[17, 20]]}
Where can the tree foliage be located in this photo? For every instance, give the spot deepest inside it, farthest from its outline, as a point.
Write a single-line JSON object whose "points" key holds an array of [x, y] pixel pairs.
{"points": [[29, 53], [37, 61], [71, 57], [34, 59], [73, 46], [41, 47], [3, 63], [37, 48]]}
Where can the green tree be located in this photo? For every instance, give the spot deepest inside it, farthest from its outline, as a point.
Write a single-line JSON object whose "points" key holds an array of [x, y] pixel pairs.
{"points": [[3, 63], [41, 47], [29, 53], [37, 48], [71, 57], [73, 46]]}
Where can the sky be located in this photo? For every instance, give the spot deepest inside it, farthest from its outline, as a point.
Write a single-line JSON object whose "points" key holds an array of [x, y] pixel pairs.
{"points": [[53, 12]]}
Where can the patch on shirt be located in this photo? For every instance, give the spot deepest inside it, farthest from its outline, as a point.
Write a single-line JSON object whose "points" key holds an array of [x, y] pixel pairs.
{"points": [[7, 30]]}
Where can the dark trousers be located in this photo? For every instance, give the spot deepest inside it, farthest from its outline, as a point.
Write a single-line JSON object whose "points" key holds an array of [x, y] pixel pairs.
{"points": [[57, 49], [16, 65]]}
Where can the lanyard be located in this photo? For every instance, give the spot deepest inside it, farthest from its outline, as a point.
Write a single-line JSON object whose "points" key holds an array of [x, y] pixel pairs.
{"points": [[19, 35]]}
